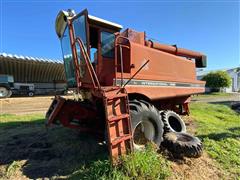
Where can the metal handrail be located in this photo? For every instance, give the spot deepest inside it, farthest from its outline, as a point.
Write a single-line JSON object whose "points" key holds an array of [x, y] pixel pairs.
{"points": [[118, 37], [121, 59], [92, 72]]}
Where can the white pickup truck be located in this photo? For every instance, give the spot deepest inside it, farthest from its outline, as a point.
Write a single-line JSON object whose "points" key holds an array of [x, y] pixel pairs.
{"points": [[8, 87]]}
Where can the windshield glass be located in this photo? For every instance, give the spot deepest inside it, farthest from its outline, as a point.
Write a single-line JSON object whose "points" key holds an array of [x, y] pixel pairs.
{"points": [[79, 26], [68, 60], [6, 78], [3, 78], [10, 79]]}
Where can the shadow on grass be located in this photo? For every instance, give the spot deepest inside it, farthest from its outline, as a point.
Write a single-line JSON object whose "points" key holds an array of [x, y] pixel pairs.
{"points": [[230, 104], [226, 103], [47, 153], [14, 124], [234, 133]]}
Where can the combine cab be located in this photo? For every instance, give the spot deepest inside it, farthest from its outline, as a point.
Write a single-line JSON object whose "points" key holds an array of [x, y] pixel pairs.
{"points": [[122, 80]]}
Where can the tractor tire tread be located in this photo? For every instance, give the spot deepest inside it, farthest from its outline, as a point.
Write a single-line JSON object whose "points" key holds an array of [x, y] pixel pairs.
{"points": [[190, 147], [167, 127], [140, 108]]}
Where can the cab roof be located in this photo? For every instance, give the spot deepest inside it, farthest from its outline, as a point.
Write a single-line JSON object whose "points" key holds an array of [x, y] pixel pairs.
{"points": [[103, 22], [62, 16]]}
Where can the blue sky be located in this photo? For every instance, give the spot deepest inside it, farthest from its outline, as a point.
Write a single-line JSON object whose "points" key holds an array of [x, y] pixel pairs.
{"points": [[27, 27]]}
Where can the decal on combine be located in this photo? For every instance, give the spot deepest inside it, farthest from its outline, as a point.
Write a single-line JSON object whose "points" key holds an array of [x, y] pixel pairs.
{"points": [[157, 83]]}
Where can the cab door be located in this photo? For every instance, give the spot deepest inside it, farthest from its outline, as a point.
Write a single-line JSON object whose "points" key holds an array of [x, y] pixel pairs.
{"points": [[107, 55], [80, 29]]}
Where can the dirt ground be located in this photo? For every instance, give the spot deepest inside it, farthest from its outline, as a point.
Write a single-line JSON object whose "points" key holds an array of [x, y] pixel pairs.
{"points": [[25, 105], [40, 104], [196, 169], [32, 152]]}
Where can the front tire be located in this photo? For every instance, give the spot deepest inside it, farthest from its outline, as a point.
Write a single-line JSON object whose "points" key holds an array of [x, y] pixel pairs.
{"points": [[146, 124], [5, 92], [30, 94]]}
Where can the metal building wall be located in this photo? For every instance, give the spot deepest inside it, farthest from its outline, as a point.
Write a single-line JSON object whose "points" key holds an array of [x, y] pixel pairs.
{"points": [[46, 74]]}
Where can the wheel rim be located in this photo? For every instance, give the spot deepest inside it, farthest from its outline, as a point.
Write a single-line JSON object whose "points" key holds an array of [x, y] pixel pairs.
{"points": [[143, 133], [3, 92]]}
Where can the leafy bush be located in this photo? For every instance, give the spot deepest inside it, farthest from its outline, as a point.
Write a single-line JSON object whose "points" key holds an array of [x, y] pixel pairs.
{"points": [[146, 164], [217, 80]]}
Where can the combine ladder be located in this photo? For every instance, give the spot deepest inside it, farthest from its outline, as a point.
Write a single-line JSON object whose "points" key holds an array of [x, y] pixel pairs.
{"points": [[116, 111], [118, 123]]}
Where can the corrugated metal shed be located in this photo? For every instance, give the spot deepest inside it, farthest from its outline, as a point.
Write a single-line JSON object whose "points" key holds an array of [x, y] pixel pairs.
{"points": [[31, 70]]}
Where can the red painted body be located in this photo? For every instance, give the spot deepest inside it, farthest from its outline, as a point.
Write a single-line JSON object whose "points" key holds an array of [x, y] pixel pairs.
{"points": [[126, 66], [163, 66]]}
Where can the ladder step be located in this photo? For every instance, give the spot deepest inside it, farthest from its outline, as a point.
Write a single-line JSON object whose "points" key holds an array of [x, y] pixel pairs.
{"points": [[117, 96], [121, 139], [118, 122], [116, 118]]}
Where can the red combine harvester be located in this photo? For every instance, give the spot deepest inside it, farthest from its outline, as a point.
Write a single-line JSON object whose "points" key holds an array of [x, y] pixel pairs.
{"points": [[125, 83]]}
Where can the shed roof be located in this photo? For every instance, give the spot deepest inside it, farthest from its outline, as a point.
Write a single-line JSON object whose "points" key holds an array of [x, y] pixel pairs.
{"points": [[31, 69]]}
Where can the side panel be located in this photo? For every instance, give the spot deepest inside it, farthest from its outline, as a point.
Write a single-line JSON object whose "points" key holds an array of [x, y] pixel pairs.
{"points": [[165, 75], [155, 93], [162, 66]]}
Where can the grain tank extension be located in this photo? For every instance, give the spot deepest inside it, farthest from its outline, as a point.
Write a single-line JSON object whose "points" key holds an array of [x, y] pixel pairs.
{"points": [[123, 79]]}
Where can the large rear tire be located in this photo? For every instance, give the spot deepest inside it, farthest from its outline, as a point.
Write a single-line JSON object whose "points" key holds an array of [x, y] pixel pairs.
{"points": [[146, 124], [5, 92]]}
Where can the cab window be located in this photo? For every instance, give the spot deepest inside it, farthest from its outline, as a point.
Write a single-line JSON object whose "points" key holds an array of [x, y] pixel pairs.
{"points": [[68, 60], [107, 44]]}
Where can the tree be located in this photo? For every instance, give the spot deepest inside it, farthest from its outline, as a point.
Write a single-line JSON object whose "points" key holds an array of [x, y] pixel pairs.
{"points": [[216, 80]]}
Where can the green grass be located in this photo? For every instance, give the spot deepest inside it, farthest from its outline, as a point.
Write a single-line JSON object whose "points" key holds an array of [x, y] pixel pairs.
{"points": [[219, 128], [212, 95], [140, 165], [9, 120]]}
